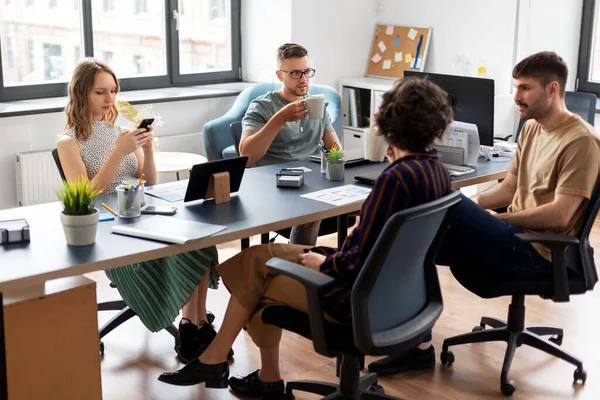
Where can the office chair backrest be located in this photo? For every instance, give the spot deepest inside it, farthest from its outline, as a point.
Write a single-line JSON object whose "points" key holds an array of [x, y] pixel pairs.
{"points": [[236, 134], [585, 250], [583, 104], [396, 298], [58, 164]]}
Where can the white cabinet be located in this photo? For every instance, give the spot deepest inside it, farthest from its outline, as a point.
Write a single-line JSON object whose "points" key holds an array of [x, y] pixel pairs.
{"points": [[361, 98]]}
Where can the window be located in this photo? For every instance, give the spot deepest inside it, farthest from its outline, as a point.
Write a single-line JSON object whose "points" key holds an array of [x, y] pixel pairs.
{"points": [[155, 45], [31, 55], [53, 3], [141, 6], [588, 72]]}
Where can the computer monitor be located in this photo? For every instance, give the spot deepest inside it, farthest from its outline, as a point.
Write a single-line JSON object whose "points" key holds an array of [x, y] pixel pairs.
{"points": [[471, 98]]}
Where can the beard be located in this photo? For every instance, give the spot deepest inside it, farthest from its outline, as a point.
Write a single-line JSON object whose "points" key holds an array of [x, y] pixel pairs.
{"points": [[537, 110], [299, 90]]}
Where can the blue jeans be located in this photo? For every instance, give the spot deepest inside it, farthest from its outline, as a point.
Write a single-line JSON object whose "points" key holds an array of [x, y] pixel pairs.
{"points": [[479, 242]]}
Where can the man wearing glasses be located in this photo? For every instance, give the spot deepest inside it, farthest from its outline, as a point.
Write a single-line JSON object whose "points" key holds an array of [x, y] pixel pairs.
{"points": [[276, 128]]}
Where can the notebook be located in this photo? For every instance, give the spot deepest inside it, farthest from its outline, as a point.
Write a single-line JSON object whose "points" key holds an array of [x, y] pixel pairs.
{"points": [[351, 156], [168, 229]]}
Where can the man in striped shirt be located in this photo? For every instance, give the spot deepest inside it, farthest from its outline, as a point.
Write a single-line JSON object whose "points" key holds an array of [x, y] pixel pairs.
{"points": [[413, 114]]}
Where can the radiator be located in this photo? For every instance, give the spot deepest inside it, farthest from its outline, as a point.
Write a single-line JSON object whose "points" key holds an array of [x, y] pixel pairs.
{"points": [[37, 177]]}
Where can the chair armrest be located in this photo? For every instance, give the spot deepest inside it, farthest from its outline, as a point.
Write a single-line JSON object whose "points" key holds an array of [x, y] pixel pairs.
{"points": [[314, 282], [505, 138], [549, 239], [558, 245]]}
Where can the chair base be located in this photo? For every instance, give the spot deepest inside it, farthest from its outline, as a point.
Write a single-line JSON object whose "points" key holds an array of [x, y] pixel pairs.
{"points": [[514, 333], [351, 386]]}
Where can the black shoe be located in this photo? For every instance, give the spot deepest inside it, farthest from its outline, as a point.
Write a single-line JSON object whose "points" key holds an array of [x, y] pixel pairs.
{"points": [[413, 360], [215, 375], [186, 342], [252, 386], [206, 334]]}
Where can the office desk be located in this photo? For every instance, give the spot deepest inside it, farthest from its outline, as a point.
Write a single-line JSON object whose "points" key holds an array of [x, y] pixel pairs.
{"points": [[258, 207]]}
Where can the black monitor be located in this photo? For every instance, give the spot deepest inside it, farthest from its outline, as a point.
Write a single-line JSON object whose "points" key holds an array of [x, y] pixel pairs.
{"points": [[471, 98], [201, 173]]}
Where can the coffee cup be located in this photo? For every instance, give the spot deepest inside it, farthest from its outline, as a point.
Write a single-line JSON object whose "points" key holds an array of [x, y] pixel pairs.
{"points": [[374, 145], [315, 105]]}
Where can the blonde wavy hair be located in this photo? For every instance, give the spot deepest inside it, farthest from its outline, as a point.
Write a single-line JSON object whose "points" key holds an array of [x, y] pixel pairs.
{"points": [[78, 110]]}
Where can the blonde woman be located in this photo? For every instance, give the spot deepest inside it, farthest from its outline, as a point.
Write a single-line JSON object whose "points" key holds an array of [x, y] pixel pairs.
{"points": [[94, 147]]}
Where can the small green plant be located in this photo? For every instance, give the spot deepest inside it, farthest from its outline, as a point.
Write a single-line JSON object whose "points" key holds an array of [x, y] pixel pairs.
{"points": [[335, 156], [78, 197]]}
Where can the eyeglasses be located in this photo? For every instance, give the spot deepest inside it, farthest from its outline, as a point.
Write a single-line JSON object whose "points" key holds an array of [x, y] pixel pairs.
{"points": [[309, 73]]}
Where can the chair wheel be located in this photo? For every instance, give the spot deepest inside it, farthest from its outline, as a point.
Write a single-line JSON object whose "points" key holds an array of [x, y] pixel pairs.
{"points": [[101, 348], [508, 388], [210, 317], [556, 340], [447, 357], [376, 389], [579, 375], [478, 328]]}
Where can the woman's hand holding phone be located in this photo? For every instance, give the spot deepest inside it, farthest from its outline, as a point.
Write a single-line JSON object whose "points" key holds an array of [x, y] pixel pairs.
{"points": [[148, 145], [129, 141]]}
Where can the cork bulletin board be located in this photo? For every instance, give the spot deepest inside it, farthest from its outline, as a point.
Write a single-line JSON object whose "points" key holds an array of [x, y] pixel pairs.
{"points": [[396, 49]]}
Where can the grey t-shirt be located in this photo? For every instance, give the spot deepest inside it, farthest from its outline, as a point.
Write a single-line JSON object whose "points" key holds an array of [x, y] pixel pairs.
{"points": [[295, 141]]}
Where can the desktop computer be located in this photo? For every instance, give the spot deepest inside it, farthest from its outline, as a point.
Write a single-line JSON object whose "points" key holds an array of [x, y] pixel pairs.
{"points": [[471, 98]]}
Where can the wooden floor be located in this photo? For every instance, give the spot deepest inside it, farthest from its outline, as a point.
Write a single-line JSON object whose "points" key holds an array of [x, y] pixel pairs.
{"points": [[134, 357]]}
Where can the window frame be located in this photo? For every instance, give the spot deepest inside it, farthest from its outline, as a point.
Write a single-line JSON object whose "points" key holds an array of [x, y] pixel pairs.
{"points": [[172, 78], [583, 83]]}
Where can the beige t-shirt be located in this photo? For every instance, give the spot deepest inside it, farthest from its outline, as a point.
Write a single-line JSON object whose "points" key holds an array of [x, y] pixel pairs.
{"points": [[564, 160]]}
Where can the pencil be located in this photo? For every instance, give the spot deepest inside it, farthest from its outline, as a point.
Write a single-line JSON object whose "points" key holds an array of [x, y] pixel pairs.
{"points": [[135, 191], [113, 212], [141, 179]]}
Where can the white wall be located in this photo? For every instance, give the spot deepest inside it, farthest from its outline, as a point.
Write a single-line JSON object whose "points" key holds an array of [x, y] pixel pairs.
{"points": [[39, 132]]}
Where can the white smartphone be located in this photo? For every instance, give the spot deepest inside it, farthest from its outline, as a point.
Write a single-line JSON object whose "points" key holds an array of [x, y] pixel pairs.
{"points": [[160, 210]]}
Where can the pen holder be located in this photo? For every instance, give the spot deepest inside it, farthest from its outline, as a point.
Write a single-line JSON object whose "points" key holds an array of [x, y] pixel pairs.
{"points": [[141, 189], [130, 201], [323, 161]]}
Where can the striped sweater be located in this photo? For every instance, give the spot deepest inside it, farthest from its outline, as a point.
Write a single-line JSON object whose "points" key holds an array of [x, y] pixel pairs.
{"points": [[412, 180]]}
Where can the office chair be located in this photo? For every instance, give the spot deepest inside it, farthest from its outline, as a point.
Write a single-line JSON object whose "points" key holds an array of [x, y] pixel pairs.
{"points": [[125, 313], [580, 103], [574, 272], [396, 300]]}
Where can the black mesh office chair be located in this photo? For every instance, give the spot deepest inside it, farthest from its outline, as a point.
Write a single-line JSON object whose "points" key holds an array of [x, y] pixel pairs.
{"points": [[328, 225], [396, 300], [574, 272], [580, 103], [125, 313]]}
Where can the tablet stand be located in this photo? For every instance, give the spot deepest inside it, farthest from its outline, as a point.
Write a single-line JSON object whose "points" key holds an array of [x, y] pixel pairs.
{"points": [[219, 187]]}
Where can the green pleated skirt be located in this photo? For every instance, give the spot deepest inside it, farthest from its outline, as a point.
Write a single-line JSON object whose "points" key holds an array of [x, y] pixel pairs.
{"points": [[156, 290]]}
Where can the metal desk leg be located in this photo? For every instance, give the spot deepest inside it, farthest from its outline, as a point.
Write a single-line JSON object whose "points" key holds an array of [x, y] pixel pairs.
{"points": [[177, 174], [3, 379], [245, 243], [342, 229], [264, 238]]}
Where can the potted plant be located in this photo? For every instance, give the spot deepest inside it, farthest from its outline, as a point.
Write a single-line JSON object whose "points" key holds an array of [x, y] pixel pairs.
{"points": [[79, 216], [335, 164]]}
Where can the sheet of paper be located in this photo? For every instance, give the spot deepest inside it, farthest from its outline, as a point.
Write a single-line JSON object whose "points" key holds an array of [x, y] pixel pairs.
{"points": [[341, 195], [172, 191], [389, 30], [397, 41], [398, 56], [376, 58], [412, 33], [301, 169], [407, 58], [382, 47], [387, 64]]}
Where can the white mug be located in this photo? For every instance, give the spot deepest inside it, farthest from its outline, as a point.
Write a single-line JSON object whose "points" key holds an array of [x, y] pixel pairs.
{"points": [[374, 145], [315, 106]]}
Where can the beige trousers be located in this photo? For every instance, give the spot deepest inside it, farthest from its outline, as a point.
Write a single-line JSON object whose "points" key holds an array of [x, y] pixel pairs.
{"points": [[247, 278]]}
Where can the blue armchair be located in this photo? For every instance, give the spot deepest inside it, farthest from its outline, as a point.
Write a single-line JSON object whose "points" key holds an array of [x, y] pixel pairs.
{"points": [[218, 143]]}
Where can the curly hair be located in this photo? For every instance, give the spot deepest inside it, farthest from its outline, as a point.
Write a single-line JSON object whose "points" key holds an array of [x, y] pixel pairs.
{"points": [[545, 67], [78, 110], [413, 114]]}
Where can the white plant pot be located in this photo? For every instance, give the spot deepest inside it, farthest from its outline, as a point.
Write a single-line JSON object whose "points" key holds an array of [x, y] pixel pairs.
{"points": [[335, 172], [80, 230]]}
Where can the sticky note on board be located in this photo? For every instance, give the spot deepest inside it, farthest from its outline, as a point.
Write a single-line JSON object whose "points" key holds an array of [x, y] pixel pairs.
{"points": [[398, 56], [389, 30], [387, 64], [382, 47], [376, 58], [407, 58], [397, 41], [412, 33]]}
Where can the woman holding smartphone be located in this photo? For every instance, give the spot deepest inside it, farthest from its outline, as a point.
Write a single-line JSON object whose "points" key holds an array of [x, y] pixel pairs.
{"points": [[94, 147]]}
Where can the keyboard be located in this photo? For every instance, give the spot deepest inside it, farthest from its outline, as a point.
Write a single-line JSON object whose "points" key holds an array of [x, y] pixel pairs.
{"points": [[458, 170]]}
